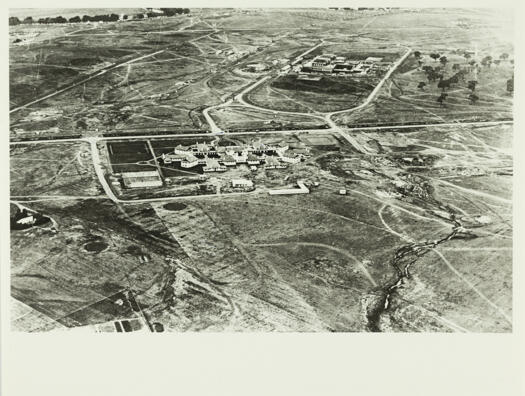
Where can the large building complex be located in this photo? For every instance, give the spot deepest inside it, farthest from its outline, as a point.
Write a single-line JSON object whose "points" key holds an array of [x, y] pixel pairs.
{"points": [[215, 158], [333, 64]]}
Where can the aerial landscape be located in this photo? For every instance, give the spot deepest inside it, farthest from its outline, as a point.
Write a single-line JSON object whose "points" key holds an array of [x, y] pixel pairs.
{"points": [[242, 170]]}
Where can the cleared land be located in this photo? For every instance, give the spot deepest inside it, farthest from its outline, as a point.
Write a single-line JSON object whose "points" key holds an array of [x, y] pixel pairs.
{"points": [[404, 229]]}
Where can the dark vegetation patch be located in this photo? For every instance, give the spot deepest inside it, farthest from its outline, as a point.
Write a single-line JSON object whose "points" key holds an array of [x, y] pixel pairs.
{"points": [[95, 246], [131, 167], [334, 164], [128, 152], [175, 206], [410, 147], [324, 85]]}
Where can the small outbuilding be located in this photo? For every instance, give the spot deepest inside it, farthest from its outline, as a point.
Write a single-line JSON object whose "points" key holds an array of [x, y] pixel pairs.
{"points": [[243, 183]]}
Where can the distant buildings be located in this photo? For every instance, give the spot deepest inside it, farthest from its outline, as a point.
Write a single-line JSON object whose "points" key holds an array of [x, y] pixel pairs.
{"points": [[330, 63]]}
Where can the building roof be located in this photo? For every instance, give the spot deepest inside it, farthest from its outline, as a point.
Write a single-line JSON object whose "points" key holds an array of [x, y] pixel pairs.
{"points": [[141, 179], [190, 158], [299, 151], [343, 67], [141, 174], [243, 182], [228, 158], [271, 161], [258, 145], [212, 163]]}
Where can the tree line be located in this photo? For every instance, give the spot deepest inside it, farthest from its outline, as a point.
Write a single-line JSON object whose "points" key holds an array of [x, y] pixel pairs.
{"points": [[150, 13]]}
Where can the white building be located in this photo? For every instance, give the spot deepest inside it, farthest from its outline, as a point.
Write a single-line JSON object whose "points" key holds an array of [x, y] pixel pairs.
{"points": [[287, 191], [244, 183], [212, 165], [141, 179], [26, 220], [189, 161]]}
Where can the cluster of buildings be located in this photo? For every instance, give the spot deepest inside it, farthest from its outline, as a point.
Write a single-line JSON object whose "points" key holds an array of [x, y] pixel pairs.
{"points": [[215, 158], [331, 63]]}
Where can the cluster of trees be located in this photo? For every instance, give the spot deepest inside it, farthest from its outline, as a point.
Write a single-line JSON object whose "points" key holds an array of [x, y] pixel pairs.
{"points": [[99, 18], [436, 74], [175, 11], [60, 19]]}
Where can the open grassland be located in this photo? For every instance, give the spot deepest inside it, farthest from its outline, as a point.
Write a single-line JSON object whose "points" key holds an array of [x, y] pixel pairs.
{"points": [[288, 93], [61, 169], [240, 118]]}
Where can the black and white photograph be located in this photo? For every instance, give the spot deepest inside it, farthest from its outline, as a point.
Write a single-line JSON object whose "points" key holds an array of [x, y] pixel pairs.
{"points": [[315, 169]]}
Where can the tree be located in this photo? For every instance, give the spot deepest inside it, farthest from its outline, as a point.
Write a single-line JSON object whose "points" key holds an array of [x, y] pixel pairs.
{"points": [[467, 56], [486, 61], [175, 11], [497, 61], [417, 54], [441, 99], [421, 85], [504, 56], [13, 21], [432, 76], [443, 60], [461, 75], [75, 19], [435, 56], [456, 66], [28, 20], [473, 98], [472, 85], [510, 85], [86, 18], [443, 84]]}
